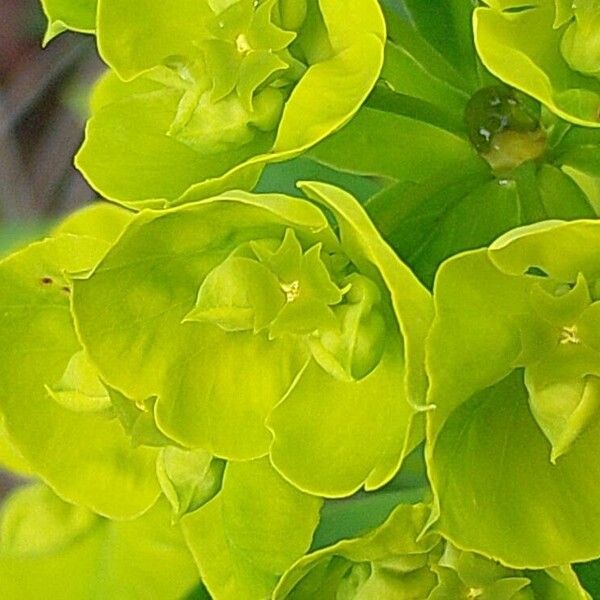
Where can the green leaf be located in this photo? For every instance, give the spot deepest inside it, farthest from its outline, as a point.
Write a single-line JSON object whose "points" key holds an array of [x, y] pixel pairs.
{"points": [[77, 15], [79, 388], [414, 68], [138, 420], [581, 44], [390, 145], [471, 296], [282, 178], [534, 63], [188, 478], [536, 245], [342, 83], [11, 459], [589, 575], [251, 532], [35, 522], [430, 222], [447, 27], [56, 550], [39, 341], [433, 221], [468, 575], [351, 517], [240, 294]]}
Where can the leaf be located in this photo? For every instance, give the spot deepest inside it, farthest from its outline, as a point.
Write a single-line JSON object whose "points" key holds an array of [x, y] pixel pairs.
{"points": [[79, 388], [415, 68], [472, 297], [351, 517], [589, 575], [57, 550], [431, 222], [536, 245], [77, 15], [282, 178], [138, 420], [447, 27], [35, 522], [342, 83], [11, 459], [39, 340], [251, 532], [464, 574], [391, 145]]}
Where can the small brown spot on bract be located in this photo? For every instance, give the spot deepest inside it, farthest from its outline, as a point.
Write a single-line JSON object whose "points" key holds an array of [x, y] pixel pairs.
{"points": [[47, 281], [66, 289]]}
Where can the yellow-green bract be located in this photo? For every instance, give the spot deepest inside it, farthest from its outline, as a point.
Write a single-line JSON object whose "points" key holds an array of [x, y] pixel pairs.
{"points": [[52, 549], [201, 96], [63, 428], [249, 313], [550, 49], [514, 366]]}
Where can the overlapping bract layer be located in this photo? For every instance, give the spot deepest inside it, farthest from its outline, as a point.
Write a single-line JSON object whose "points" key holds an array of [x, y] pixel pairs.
{"points": [[200, 96], [514, 363], [396, 560], [312, 331]]}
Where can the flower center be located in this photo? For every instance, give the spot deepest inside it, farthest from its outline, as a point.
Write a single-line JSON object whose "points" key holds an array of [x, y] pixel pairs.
{"points": [[474, 592], [291, 290], [568, 335], [242, 44]]}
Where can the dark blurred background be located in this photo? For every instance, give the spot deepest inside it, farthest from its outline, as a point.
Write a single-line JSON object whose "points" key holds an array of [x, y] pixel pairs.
{"points": [[43, 98]]}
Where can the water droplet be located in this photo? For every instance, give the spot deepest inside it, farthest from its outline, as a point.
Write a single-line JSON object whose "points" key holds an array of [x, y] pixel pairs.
{"points": [[485, 133]]}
